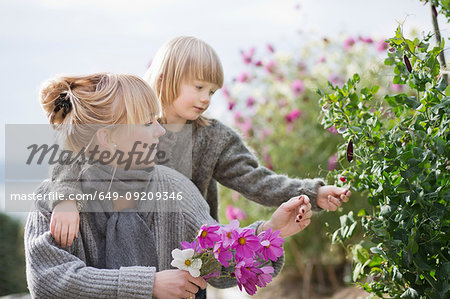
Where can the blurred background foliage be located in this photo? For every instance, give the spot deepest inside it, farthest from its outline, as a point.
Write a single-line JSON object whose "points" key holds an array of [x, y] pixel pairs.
{"points": [[12, 257], [275, 106]]}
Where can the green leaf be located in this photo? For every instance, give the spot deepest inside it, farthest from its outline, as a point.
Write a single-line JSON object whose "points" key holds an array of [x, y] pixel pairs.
{"points": [[410, 293], [447, 91]]}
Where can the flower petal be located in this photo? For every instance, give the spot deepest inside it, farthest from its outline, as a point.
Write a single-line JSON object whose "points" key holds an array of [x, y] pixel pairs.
{"points": [[194, 272]]}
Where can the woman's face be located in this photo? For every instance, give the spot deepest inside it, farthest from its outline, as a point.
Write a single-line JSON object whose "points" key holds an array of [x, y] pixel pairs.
{"points": [[138, 143]]}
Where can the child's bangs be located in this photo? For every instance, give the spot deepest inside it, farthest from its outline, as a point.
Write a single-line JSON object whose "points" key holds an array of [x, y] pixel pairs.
{"points": [[205, 66], [141, 102]]}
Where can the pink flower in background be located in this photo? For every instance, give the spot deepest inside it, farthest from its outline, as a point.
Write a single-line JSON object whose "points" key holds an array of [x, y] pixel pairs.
{"points": [[231, 105], [336, 79], [366, 40], [298, 87], [321, 59], [250, 101], [348, 43], [270, 66], [292, 116], [245, 126], [232, 213], [270, 48], [237, 117], [248, 56], [208, 235], [266, 158], [258, 63], [265, 277], [382, 46], [246, 243], [225, 92], [271, 245], [397, 87], [332, 162], [263, 134], [235, 195], [332, 130], [243, 77]]}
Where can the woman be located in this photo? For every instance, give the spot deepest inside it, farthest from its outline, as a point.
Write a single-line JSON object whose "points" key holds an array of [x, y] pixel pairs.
{"points": [[123, 247]]}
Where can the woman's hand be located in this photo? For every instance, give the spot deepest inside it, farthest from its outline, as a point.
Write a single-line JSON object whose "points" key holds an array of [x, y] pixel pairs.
{"points": [[176, 284], [291, 217], [331, 197], [64, 223]]}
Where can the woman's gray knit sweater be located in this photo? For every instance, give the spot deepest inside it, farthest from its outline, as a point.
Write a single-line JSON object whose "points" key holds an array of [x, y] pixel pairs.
{"points": [[76, 271], [218, 155]]}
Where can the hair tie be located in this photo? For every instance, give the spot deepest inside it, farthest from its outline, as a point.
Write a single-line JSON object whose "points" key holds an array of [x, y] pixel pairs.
{"points": [[62, 102]]}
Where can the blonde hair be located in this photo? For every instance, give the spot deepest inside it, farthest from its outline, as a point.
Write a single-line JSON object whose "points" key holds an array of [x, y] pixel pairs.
{"points": [[98, 99], [181, 59]]}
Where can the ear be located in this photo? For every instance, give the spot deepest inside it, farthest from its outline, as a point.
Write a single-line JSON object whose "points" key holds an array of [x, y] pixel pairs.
{"points": [[104, 138]]}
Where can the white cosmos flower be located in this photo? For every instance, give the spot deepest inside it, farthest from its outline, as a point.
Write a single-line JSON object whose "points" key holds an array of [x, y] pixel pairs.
{"points": [[182, 259]]}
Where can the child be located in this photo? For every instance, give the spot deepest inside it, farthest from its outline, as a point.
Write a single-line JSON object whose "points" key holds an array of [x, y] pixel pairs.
{"points": [[123, 254], [185, 73]]}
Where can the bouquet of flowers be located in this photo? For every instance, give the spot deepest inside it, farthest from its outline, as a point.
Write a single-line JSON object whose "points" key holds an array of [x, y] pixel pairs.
{"points": [[238, 249]]}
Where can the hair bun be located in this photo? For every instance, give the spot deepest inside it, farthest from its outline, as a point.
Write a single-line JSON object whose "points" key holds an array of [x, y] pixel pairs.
{"points": [[56, 100]]}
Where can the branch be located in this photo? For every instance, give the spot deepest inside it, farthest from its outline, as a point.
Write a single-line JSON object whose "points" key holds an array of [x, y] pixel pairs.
{"points": [[437, 33]]}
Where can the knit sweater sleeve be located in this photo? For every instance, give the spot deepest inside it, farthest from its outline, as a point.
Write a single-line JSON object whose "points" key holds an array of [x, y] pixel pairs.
{"points": [[56, 273], [238, 168], [196, 213], [66, 182]]}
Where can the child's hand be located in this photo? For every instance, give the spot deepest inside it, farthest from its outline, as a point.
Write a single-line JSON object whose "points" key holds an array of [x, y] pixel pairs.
{"points": [[331, 197], [64, 223], [291, 217]]}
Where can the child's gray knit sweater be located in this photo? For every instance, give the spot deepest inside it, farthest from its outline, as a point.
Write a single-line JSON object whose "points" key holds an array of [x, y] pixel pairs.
{"points": [[218, 155], [79, 271]]}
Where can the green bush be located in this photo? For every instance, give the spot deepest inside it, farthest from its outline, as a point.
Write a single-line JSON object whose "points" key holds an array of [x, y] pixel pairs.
{"points": [[400, 160], [12, 257]]}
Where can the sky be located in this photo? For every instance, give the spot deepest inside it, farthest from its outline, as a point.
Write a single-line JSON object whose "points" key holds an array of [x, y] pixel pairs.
{"points": [[43, 38]]}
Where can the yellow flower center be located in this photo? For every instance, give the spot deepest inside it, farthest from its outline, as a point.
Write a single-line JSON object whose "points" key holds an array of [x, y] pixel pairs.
{"points": [[204, 233], [187, 262], [229, 235], [241, 241]]}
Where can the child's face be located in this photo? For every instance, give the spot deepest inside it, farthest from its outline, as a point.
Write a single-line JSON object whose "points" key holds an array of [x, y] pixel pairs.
{"points": [[193, 100]]}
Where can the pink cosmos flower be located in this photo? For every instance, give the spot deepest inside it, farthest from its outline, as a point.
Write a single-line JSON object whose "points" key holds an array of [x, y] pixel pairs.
{"points": [[231, 105], [270, 66], [248, 56], [193, 245], [250, 101], [270, 48], [332, 162], [266, 158], [332, 130], [247, 275], [246, 243], [243, 77], [265, 277], [292, 116], [336, 79], [258, 63], [366, 40], [222, 254], [227, 233], [382, 46], [298, 87], [208, 235], [225, 92], [321, 59], [271, 245], [232, 213], [348, 43], [397, 87]]}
